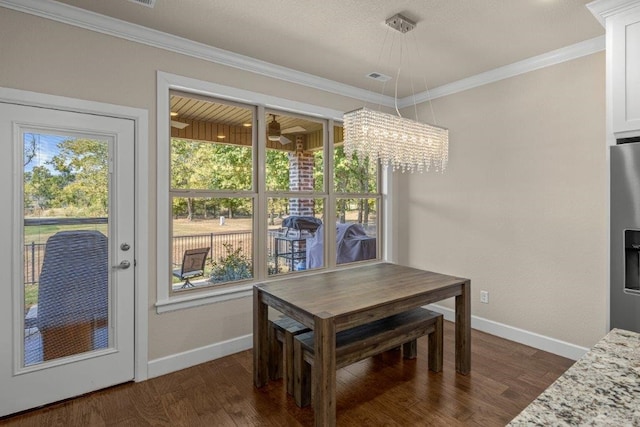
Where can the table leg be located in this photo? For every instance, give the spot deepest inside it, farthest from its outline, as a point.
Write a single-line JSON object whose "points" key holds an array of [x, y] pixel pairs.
{"points": [[463, 329], [260, 340], [324, 370]]}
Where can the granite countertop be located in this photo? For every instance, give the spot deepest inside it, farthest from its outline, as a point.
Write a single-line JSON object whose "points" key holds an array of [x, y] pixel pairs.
{"points": [[600, 389]]}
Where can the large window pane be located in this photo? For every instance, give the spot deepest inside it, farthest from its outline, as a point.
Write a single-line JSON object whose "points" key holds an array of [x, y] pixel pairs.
{"points": [[220, 227], [295, 239], [293, 144]]}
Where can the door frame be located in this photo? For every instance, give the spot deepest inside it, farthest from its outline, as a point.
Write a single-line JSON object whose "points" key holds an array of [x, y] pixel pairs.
{"points": [[141, 191]]}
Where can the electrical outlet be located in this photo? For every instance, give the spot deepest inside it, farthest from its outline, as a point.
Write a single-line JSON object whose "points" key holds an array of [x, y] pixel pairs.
{"points": [[484, 297]]}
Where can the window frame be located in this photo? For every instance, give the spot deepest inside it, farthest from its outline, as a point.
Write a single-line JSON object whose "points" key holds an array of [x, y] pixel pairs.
{"points": [[263, 104]]}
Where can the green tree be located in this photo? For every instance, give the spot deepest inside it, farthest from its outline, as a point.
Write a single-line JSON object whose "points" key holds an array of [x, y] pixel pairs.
{"points": [[199, 165], [42, 189], [353, 176], [82, 171], [277, 177]]}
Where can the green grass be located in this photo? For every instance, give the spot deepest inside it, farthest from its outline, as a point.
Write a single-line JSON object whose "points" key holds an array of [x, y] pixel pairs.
{"points": [[30, 295], [41, 233]]}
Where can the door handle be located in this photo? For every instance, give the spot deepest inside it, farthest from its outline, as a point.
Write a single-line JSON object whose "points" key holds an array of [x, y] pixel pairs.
{"points": [[123, 265]]}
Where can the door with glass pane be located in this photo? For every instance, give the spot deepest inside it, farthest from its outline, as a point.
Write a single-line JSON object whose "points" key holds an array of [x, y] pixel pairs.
{"points": [[67, 305]]}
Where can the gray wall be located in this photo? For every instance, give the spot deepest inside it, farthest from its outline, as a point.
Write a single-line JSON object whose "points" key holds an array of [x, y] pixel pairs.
{"points": [[522, 208]]}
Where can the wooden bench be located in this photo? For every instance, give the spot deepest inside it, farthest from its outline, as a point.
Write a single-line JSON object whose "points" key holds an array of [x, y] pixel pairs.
{"points": [[353, 345], [281, 333]]}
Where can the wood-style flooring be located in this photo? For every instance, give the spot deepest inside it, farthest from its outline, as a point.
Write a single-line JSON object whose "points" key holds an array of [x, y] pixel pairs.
{"points": [[381, 391]]}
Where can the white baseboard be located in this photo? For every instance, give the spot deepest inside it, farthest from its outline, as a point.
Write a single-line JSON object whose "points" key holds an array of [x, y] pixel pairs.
{"points": [[541, 342], [187, 359]]}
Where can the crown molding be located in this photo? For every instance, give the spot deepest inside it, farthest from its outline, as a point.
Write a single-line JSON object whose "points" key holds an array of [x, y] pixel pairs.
{"points": [[548, 59], [81, 18], [602, 9]]}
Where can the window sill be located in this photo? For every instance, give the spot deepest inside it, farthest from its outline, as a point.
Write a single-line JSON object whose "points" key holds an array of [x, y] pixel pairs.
{"points": [[203, 298]]}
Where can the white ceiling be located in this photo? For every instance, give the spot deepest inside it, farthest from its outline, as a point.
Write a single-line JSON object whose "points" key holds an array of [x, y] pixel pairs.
{"points": [[343, 40]]}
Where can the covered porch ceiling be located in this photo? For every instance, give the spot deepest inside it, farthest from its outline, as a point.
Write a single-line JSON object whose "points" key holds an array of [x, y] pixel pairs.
{"points": [[204, 119]]}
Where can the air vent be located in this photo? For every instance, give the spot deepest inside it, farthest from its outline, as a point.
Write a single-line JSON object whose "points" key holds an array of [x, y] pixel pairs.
{"points": [[379, 77], [148, 3]]}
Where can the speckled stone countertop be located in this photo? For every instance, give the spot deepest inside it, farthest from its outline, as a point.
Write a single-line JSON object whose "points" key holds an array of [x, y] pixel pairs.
{"points": [[600, 389]]}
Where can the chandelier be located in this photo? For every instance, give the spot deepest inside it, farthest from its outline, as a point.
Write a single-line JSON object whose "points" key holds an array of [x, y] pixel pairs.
{"points": [[396, 141]]}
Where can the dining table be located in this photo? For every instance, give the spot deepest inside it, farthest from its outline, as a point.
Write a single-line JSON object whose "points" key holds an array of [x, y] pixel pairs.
{"points": [[332, 301]]}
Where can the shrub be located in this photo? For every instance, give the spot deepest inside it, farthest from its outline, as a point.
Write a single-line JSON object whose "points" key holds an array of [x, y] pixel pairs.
{"points": [[234, 266]]}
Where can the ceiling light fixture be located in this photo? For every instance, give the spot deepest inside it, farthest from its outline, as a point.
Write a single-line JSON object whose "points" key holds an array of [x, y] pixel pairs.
{"points": [[273, 131], [395, 141]]}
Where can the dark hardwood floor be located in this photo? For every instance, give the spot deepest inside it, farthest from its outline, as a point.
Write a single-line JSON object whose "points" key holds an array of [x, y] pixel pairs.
{"points": [[384, 390]]}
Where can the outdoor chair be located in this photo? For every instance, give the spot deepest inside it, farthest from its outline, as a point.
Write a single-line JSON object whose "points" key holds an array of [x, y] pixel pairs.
{"points": [[192, 266], [73, 293]]}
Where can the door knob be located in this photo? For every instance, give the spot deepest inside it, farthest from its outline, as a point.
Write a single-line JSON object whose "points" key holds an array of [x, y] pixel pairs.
{"points": [[123, 265]]}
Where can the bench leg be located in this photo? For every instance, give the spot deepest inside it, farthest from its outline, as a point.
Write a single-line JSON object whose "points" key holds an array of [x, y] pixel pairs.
{"points": [[288, 362], [302, 376], [436, 339], [275, 355], [410, 349]]}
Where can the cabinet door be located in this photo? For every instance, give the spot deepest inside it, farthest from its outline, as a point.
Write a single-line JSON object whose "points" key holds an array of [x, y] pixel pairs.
{"points": [[625, 68]]}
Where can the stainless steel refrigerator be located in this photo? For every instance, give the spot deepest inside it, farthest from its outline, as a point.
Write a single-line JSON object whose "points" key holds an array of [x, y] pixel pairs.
{"points": [[625, 237]]}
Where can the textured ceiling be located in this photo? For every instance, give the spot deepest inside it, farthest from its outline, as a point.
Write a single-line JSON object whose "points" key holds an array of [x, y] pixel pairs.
{"points": [[343, 40]]}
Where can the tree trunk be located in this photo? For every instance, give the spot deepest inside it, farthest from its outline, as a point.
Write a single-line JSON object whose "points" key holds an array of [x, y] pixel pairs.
{"points": [[366, 212], [189, 208]]}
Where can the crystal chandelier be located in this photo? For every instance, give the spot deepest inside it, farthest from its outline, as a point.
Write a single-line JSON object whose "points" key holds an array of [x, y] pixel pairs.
{"points": [[395, 141]]}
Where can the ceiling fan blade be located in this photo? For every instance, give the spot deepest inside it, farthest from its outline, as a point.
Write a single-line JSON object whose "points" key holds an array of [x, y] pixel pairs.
{"points": [[284, 140], [179, 125], [294, 129]]}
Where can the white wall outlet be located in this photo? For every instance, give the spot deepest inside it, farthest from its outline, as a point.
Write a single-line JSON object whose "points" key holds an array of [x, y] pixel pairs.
{"points": [[484, 297]]}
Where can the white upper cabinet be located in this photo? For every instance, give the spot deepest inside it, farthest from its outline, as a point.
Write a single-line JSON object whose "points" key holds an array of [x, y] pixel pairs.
{"points": [[622, 21], [624, 30]]}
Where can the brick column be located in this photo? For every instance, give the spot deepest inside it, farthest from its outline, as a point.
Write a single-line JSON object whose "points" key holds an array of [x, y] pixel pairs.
{"points": [[301, 164], [301, 179]]}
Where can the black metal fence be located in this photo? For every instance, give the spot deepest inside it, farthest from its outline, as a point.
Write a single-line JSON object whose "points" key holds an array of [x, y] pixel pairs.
{"points": [[33, 258], [215, 241], [34, 252]]}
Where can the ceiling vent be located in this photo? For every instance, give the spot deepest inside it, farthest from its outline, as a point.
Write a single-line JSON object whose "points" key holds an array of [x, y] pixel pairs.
{"points": [[148, 3], [379, 77]]}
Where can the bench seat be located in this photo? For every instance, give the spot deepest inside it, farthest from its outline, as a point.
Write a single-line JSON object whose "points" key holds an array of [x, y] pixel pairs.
{"points": [[361, 342]]}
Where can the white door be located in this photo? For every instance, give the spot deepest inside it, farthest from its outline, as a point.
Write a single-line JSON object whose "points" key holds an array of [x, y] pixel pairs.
{"points": [[66, 253]]}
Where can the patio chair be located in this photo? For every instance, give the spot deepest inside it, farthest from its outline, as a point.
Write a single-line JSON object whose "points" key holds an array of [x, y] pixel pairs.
{"points": [[192, 266], [73, 293]]}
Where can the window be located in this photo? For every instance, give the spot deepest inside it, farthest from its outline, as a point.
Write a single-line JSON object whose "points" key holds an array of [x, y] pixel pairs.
{"points": [[212, 191], [257, 186]]}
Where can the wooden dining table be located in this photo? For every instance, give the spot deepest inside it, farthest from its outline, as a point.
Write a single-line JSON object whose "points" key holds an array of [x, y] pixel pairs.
{"points": [[333, 301]]}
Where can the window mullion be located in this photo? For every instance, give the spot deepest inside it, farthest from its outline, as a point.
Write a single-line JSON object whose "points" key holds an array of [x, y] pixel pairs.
{"points": [[330, 233], [260, 217]]}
